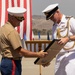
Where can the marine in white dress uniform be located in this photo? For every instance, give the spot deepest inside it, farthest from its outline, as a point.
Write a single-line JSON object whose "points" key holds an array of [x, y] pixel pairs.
{"points": [[63, 28]]}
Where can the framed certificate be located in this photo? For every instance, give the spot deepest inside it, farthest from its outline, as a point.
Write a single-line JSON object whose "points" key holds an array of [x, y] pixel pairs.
{"points": [[53, 48]]}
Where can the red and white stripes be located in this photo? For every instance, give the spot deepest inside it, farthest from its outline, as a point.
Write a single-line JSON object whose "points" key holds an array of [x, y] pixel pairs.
{"points": [[25, 27]]}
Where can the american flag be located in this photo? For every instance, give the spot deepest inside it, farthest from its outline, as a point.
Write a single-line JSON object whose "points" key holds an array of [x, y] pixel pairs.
{"points": [[25, 27]]}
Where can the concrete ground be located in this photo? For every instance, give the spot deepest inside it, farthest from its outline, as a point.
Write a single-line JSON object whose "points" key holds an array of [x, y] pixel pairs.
{"points": [[28, 67]]}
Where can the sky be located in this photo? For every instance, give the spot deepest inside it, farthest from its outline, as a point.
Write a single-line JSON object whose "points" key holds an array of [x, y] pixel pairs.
{"points": [[67, 7]]}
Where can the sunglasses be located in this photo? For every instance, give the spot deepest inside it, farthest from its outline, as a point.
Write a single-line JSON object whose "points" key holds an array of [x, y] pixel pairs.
{"points": [[19, 18]]}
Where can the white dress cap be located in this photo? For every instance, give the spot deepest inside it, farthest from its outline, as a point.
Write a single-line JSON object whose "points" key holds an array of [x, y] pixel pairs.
{"points": [[16, 11], [50, 7], [50, 10]]}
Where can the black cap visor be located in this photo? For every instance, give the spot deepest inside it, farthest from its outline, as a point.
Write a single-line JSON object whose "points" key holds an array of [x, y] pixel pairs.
{"points": [[49, 14]]}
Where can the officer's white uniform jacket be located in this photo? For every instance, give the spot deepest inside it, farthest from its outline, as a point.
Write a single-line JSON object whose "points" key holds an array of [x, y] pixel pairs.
{"points": [[65, 60]]}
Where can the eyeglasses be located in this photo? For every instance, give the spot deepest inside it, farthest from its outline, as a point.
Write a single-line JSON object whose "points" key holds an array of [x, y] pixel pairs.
{"points": [[19, 18]]}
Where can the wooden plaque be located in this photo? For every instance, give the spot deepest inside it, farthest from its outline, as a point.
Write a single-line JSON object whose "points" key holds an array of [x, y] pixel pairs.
{"points": [[53, 48]]}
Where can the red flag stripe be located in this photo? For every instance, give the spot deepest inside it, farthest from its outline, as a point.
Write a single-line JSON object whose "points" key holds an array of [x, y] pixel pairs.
{"points": [[25, 21], [18, 4], [31, 20], [6, 6], [12, 3]]}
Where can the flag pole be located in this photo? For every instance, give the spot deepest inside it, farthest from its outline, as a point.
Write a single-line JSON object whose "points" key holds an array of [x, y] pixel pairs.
{"points": [[40, 69]]}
